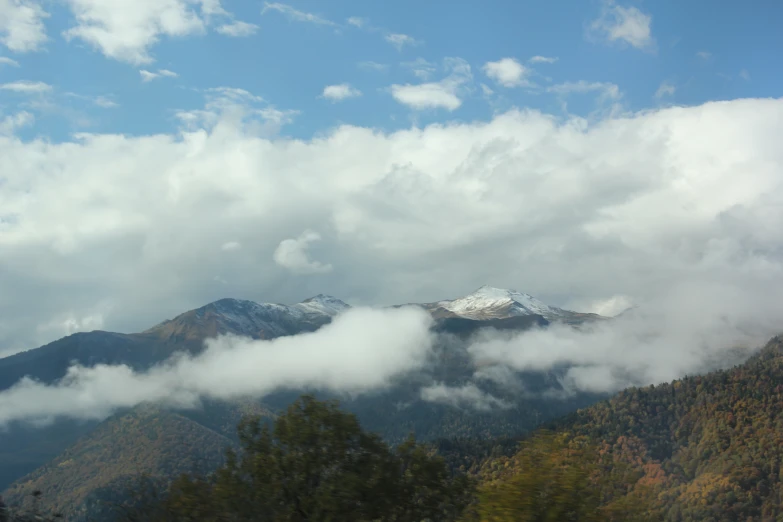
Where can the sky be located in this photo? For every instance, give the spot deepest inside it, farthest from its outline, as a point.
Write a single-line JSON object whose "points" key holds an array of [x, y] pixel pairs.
{"points": [[156, 155]]}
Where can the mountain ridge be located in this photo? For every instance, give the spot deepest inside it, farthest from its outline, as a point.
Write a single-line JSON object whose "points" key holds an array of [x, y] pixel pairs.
{"points": [[188, 331]]}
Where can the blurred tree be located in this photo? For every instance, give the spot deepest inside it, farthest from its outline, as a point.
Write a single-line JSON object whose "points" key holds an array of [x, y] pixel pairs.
{"points": [[558, 479], [315, 464]]}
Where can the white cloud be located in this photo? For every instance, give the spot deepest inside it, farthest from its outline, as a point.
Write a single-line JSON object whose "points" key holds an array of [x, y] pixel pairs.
{"points": [[704, 329], [12, 123], [426, 96], [335, 358], [4, 60], [400, 40], [26, 87], [70, 324], [230, 246], [126, 29], [21, 25], [237, 107], [543, 59], [704, 55], [606, 89], [608, 307], [148, 76], [357, 21], [627, 24], [565, 209], [745, 75], [420, 68], [296, 15], [237, 29], [340, 92], [665, 89], [508, 72], [469, 396], [293, 255], [105, 102], [444, 94]]}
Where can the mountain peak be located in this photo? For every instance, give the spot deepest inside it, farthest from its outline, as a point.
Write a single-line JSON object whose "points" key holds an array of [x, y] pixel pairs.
{"points": [[499, 293], [322, 304], [492, 302]]}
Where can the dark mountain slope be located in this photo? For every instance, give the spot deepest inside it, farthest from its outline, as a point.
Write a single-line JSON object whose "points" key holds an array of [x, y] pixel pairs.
{"points": [[147, 440], [394, 413], [23, 448]]}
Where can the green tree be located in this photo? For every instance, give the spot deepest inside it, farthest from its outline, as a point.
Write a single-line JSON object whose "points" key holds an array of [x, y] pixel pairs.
{"points": [[316, 463]]}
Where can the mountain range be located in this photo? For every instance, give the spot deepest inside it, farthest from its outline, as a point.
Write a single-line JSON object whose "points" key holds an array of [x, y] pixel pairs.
{"points": [[103, 454]]}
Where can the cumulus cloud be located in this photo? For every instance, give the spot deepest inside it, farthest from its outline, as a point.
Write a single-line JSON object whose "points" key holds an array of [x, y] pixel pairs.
{"points": [[335, 358], [508, 72], [11, 123], [467, 396], [293, 254], [562, 208], [340, 92], [444, 94], [126, 30], [626, 24], [22, 25]]}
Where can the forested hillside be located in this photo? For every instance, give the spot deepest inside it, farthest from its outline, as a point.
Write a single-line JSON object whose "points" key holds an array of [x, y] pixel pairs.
{"points": [[703, 448]]}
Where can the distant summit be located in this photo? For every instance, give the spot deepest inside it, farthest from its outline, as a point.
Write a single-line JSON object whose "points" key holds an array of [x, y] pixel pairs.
{"points": [[248, 318], [322, 304], [489, 302]]}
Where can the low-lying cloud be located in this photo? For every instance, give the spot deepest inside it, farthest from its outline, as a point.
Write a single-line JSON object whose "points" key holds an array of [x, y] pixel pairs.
{"points": [[465, 396], [361, 350], [692, 329]]}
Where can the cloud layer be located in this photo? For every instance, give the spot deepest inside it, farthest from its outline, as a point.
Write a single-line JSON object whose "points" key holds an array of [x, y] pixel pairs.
{"points": [[698, 327], [360, 350], [130, 228]]}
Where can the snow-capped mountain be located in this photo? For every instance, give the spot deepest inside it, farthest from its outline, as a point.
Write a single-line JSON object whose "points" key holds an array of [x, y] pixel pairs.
{"points": [[257, 320], [496, 303], [322, 305], [269, 320]]}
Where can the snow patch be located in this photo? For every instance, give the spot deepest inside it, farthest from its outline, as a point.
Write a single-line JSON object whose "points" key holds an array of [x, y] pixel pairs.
{"points": [[489, 301]]}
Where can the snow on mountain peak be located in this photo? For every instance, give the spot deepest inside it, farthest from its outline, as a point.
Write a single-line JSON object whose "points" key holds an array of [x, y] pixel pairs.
{"points": [[322, 304], [489, 301]]}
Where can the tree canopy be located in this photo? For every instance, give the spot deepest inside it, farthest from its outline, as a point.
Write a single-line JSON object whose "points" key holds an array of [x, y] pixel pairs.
{"points": [[316, 463]]}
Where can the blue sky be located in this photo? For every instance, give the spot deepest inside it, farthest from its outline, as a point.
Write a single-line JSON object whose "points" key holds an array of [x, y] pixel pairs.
{"points": [[287, 54]]}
